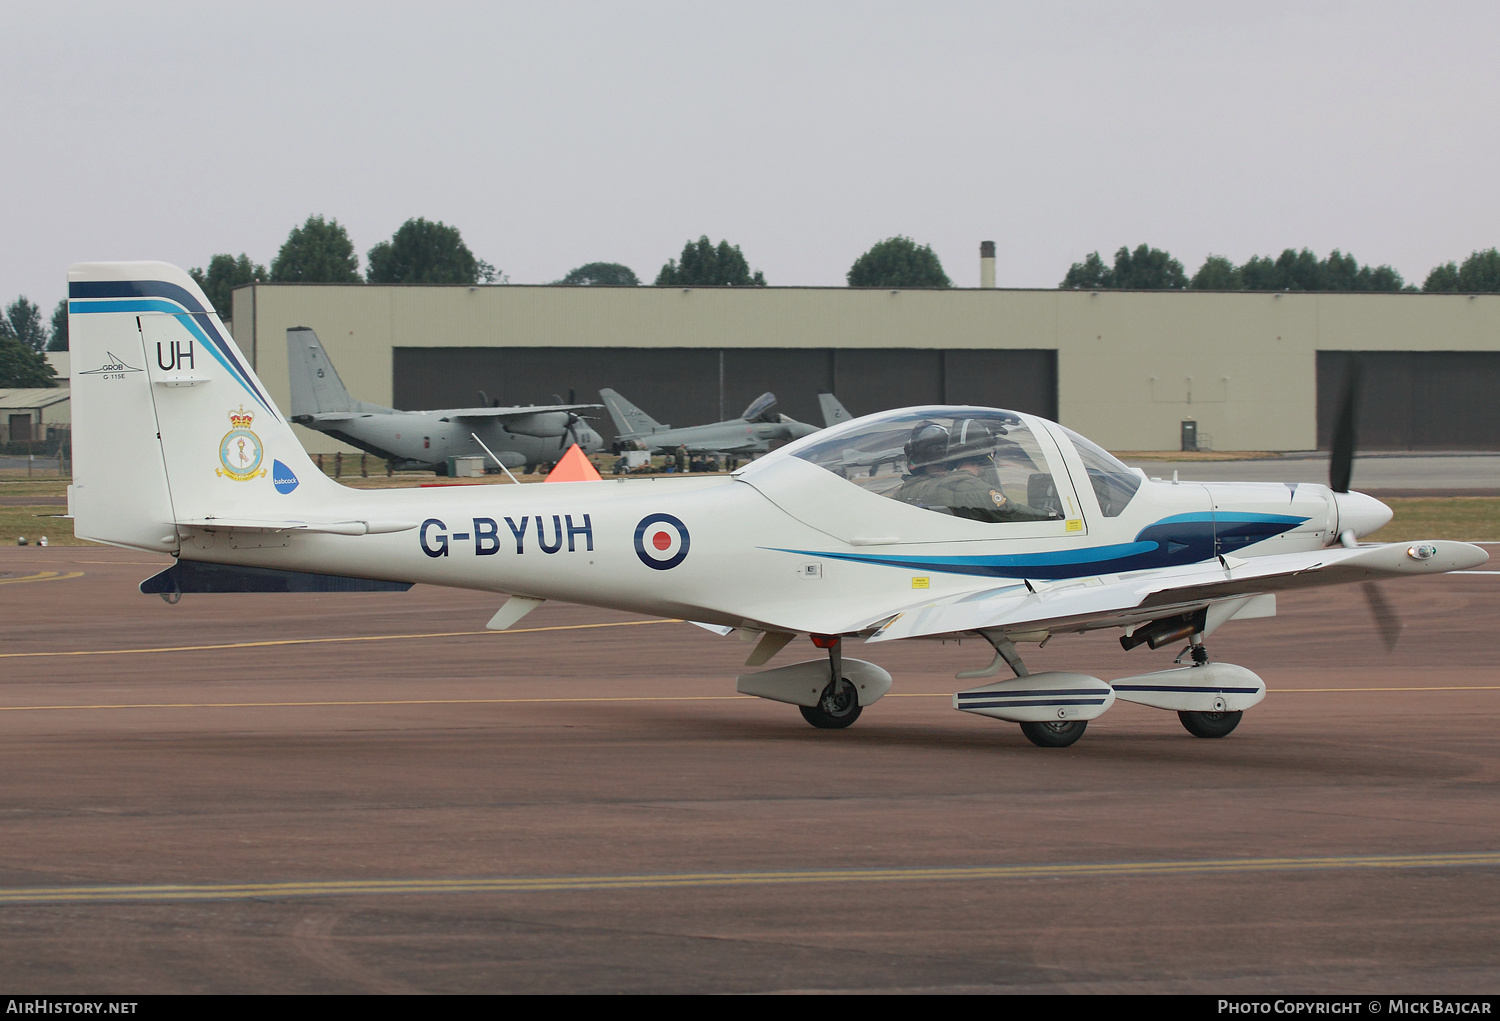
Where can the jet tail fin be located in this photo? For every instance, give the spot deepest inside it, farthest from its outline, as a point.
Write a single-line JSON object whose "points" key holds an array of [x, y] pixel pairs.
{"points": [[170, 423], [629, 420], [833, 411], [315, 383]]}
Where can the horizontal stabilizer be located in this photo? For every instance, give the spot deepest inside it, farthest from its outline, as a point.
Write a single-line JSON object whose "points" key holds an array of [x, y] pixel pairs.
{"points": [[324, 527], [192, 576], [329, 417]]}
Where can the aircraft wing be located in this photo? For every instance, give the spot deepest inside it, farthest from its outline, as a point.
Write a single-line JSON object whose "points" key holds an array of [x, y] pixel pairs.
{"points": [[1115, 600], [516, 412]]}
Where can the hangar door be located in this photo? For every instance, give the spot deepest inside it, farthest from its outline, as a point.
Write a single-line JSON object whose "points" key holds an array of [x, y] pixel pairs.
{"points": [[1415, 400], [691, 386]]}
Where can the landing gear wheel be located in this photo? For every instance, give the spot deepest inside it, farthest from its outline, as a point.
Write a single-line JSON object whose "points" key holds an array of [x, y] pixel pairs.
{"points": [[836, 709], [1054, 735], [1210, 724]]}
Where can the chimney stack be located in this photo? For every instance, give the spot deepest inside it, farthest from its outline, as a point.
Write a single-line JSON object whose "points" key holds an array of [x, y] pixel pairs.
{"points": [[986, 264]]}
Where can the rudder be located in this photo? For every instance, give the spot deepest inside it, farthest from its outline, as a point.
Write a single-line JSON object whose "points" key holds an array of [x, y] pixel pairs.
{"points": [[315, 383]]}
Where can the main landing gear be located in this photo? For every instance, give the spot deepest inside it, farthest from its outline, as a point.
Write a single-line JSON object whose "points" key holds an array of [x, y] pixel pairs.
{"points": [[1206, 724], [1054, 735], [838, 706], [1054, 708]]}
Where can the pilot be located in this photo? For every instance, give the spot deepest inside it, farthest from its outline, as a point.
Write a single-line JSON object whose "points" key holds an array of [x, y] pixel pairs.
{"points": [[969, 487], [926, 449]]}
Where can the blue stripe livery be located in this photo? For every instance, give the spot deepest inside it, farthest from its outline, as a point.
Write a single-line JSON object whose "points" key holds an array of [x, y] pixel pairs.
{"points": [[1171, 542], [145, 296]]}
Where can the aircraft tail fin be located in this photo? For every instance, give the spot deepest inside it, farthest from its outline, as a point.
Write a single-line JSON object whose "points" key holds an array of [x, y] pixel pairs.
{"points": [[833, 411], [315, 383], [629, 420], [170, 423]]}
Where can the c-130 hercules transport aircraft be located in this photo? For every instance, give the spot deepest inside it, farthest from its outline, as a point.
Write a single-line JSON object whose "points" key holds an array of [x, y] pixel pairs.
{"points": [[932, 522]]}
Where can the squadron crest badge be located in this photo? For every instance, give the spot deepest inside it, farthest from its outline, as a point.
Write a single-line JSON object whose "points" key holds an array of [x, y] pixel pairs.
{"points": [[240, 451]]}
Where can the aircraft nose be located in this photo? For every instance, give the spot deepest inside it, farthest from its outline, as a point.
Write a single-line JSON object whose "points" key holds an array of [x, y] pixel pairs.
{"points": [[1360, 514]]}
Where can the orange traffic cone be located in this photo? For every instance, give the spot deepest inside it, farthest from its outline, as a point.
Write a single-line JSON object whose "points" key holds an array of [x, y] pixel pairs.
{"points": [[573, 467]]}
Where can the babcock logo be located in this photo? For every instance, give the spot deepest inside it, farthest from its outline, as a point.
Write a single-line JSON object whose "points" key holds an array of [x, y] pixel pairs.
{"points": [[661, 541], [282, 477]]}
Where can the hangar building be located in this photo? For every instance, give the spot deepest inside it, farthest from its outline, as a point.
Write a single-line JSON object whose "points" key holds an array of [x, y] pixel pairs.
{"points": [[1134, 370]]}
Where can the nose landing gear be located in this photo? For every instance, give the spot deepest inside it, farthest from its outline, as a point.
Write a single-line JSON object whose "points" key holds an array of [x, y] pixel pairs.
{"points": [[1054, 735], [1218, 723]]}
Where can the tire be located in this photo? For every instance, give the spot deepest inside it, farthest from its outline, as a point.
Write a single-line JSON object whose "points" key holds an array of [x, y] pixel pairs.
{"points": [[1210, 724], [1054, 735], [834, 711]]}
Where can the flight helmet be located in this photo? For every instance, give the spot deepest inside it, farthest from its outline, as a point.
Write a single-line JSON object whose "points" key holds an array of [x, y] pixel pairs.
{"points": [[927, 445], [971, 439]]}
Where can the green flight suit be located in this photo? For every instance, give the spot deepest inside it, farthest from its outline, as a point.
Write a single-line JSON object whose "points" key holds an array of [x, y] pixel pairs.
{"points": [[966, 496]]}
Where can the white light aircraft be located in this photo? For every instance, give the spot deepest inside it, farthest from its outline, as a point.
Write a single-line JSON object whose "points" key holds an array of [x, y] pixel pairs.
{"points": [[985, 523]]}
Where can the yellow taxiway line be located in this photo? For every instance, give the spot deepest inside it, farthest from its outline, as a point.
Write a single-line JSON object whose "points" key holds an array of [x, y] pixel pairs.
{"points": [[542, 884], [42, 576]]}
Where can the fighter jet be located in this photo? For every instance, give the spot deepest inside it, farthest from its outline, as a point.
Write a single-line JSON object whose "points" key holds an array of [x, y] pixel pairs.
{"points": [[752, 433], [527, 435]]}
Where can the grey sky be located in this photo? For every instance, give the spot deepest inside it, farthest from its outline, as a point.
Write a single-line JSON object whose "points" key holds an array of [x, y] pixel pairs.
{"points": [[554, 134]]}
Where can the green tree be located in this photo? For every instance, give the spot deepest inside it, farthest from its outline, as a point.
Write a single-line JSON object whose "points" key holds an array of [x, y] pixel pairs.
{"points": [[1290, 271], [23, 322], [1217, 274], [601, 274], [21, 366], [1090, 274], [898, 262], [1303, 271], [704, 265], [1479, 274], [1148, 269], [225, 273], [1442, 278], [1145, 269], [426, 252], [59, 341], [318, 252]]}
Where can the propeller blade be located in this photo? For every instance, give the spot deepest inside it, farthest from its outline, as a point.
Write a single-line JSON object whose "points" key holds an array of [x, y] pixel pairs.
{"points": [[1387, 621], [1341, 456]]}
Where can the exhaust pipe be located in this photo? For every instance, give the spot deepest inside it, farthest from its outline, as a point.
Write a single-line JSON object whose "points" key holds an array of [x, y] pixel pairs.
{"points": [[1165, 631]]}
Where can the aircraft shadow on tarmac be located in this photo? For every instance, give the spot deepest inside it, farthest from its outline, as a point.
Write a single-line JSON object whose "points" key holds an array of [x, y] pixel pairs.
{"points": [[1254, 759]]}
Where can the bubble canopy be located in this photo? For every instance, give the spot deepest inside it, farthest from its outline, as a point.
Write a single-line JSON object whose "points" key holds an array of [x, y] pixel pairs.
{"points": [[979, 463]]}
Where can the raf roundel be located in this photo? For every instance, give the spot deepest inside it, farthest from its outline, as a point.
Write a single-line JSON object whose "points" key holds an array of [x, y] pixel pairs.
{"points": [[661, 541]]}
